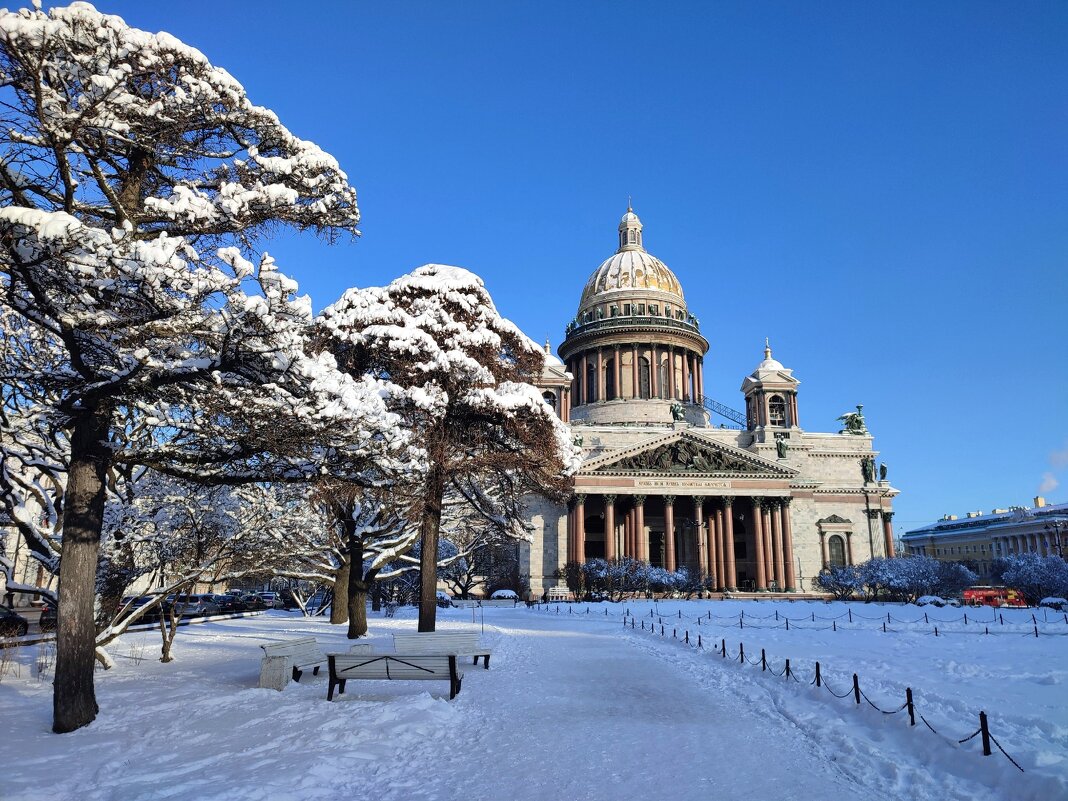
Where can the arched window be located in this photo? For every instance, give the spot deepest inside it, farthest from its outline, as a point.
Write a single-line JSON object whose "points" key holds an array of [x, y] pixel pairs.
{"points": [[610, 379], [643, 377], [550, 398], [632, 236], [777, 411], [836, 555], [591, 383]]}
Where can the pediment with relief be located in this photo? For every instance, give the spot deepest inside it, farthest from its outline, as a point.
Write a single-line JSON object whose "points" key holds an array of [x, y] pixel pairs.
{"points": [[686, 454]]}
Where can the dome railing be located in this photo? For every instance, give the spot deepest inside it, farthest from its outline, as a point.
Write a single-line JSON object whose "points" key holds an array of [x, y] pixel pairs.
{"points": [[625, 321]]}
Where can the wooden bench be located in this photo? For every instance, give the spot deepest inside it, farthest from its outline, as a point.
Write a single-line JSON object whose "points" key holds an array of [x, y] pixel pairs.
{"points": [[461, 643], [298, 654], [394, 667]]}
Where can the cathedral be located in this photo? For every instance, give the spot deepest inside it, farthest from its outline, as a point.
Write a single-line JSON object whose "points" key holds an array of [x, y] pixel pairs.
{"points": [[756, 502]]}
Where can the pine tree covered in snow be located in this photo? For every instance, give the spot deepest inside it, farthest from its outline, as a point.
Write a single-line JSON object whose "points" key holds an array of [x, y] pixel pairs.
{"points": [[467, 374], [134, 178]]}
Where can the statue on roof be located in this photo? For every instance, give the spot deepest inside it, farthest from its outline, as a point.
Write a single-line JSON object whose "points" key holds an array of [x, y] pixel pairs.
{"points": [[882, 471], [854, 422], [678, 414], [781, 446], [867, 469]]}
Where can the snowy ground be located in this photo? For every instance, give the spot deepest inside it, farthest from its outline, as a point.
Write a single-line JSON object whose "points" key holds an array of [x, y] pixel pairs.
{"points": [[574, 706]]}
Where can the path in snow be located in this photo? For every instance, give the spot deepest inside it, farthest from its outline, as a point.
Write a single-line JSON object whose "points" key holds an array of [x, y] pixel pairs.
{"points": [[590, 714]]}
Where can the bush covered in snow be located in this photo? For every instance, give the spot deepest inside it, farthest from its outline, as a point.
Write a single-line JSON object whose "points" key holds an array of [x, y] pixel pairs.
{"points": [[1035, 576], [897, 579], [617, 578]]}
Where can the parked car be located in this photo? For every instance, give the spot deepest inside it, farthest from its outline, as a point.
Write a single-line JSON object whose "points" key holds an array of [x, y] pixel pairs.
{"points": [[1055, 602], [930, 600], [193, 605], [511, 595], [272, 599], [288, 601], [230, 604], [150, 616], [12, 624], [49, 619], [253, 602]]}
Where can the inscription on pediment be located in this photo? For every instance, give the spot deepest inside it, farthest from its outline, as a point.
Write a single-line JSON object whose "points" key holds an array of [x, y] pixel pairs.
{"points": [[683, 456]]}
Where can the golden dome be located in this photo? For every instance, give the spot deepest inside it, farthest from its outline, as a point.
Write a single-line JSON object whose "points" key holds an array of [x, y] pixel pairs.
{"points": [[631, 268]]}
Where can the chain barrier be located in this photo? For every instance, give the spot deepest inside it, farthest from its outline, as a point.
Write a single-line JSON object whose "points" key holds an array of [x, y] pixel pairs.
{"points": [[743, 621], [722, 650], [1005, 754]]}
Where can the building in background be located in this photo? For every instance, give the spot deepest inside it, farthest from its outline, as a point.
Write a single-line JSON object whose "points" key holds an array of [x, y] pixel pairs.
{"points": [[978, 539], [756, 501]]}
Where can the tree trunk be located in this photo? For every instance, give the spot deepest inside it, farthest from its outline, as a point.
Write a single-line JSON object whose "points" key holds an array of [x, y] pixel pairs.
{"points": [[428, 538], [74, 697], [339, 608], [376, 597], [358, 586]]}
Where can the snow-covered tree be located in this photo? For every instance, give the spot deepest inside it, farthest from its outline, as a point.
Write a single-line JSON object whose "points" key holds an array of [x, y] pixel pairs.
{"points": [[467, 374], [842, 581], [1036, 576], [134, 180]]}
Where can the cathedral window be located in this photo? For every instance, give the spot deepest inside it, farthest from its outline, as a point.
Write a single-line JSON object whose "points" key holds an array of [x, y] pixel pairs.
{"points": [[654, 309], [777, 411], [591, 383], [550, 398], [836, 551], [613, 311], [626, 309], [610, 379], [641, 308], [632, 236]]}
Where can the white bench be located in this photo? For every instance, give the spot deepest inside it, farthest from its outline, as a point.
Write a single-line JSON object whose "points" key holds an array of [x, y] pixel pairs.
{"points": [[461, 643], [394, 667], [503, 602], [290, 655], [559, 594]]}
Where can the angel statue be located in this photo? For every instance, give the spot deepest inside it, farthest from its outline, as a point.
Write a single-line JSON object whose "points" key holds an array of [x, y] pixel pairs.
{"points": [[854, 422], [677, 412]]}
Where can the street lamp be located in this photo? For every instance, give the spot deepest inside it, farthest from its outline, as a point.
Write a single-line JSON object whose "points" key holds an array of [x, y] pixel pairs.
{"points": [[1056, 528]]}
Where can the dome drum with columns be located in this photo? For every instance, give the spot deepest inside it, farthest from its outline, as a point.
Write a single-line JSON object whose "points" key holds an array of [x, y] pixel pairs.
{"points": [[759, 507], [634, 349]]}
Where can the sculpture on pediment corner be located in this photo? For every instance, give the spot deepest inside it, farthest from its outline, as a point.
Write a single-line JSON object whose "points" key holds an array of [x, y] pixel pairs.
{"points": [[578, 442], [678, 414], [781, 447], [882, 471], [854, 422]]}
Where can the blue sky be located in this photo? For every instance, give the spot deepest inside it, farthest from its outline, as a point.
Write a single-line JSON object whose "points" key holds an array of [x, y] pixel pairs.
{"points": [[881, 189]]}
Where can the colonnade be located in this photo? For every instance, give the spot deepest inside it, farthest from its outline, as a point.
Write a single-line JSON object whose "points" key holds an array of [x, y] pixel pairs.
{"points": [[706, 531], [1043, 543], [682, 380]]}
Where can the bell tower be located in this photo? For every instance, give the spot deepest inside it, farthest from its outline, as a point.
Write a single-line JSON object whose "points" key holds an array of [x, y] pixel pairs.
{"points": [[770, 396]]}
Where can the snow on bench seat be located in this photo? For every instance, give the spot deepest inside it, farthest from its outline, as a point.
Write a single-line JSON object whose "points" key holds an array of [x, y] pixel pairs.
{"points": [[461, 643], [298, 654], [393, 667]]}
